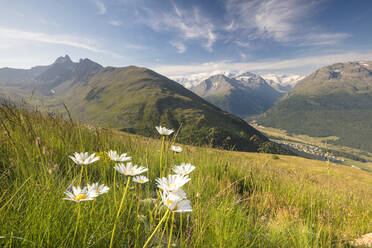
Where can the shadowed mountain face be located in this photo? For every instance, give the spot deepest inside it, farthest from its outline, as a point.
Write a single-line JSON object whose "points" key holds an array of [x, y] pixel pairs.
{"points": [[334, 100], [136, 100], [243, 95], [47, 79]]}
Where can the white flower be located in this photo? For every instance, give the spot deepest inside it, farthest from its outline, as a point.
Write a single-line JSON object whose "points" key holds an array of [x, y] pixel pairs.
{"points": [[172, 183], [98, 189], [176, 201], [176, 148], [164, 131], [183, 169], [118, 158], [140, 179], [78, 194], [129, 169], [84, 158]]}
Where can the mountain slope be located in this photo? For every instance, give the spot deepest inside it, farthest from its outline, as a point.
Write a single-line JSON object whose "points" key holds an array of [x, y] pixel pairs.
{"points": [[136, 100], [333, 101], [244, 95], [63, 72], [20, 77]]}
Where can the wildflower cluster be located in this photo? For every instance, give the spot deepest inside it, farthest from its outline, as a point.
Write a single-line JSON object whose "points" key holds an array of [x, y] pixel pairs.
{"points": [[88, 193], [173, 197]]}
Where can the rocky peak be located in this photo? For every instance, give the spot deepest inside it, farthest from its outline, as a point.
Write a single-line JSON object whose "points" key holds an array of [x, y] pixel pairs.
{"points": [[63, 60]]}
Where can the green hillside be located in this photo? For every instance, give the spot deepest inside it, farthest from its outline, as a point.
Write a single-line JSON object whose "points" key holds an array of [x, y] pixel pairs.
{"points": [[333, 101], [136, 100], [238, 199]]}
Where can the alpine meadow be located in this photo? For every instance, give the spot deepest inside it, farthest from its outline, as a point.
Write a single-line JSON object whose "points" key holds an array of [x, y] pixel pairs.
{"points": [[186, 124]]}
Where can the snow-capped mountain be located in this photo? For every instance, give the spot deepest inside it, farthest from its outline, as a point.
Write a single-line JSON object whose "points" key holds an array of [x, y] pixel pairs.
{"points": [[243, 95], [282, 82], [195, 79]]}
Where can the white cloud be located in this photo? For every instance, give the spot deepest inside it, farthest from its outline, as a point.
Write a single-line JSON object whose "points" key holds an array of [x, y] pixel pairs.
{"points": [[272, 65], [188, 24], [101, 7], [181, 48], [243, 44], [115, 23], [7, 35], [243, 55], [320, 39], [285, 21]]}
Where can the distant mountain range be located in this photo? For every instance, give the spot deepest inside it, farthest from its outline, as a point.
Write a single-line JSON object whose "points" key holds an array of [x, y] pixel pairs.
{"points": [[132, 99], [281, 82], [243, 95], [335, 100]]}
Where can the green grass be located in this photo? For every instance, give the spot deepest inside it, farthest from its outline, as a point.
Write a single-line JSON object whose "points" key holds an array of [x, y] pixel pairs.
{"points": [[238, 199]]}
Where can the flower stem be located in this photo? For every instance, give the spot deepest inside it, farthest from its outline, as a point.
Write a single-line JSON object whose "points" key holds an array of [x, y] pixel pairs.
{"points": [[86, 175], [181, 228], [118, 214], [138, 200], [77, 224], [161, 155], [156, 229], [114, 187], [90, 217], [81, 174], [165, 228], [129, 212], [171, 231]]}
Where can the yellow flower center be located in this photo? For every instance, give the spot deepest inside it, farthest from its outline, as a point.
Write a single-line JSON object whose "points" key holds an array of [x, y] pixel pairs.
{"points": [[97, 191], [141, 181], [172, 185], [131, 170], [80, 197], [169, 202]]}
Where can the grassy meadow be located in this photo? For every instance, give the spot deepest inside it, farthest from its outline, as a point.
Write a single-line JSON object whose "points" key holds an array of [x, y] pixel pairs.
{"points": [[238, 199]]}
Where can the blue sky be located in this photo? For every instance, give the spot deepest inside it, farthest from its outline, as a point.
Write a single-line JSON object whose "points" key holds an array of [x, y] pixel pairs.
{"points": [[187, 37]]}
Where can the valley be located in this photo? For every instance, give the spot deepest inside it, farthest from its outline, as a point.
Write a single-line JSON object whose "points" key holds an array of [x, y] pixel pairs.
{"points": [[319, 148]]}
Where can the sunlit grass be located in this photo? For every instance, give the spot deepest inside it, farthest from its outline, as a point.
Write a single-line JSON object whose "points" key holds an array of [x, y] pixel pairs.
{"points": [[238, 199]]}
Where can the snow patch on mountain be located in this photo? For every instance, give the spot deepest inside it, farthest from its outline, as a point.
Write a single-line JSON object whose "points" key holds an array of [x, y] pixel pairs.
{"points": [[195, 79], [282, 82]]}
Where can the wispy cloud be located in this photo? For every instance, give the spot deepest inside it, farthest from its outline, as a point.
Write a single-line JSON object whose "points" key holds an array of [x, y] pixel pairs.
{"points": [[284, 21], [7, 34], [243, 44], [320, 39], [115, 23], [101, 7], [181, 48], [188, 24], [311, 62]]}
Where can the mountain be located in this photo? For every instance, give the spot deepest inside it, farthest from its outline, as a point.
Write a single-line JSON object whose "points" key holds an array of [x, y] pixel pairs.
{"points": [[194, 79], [242, 95], [282, 82], [52, 79], [335, 100], [20, 77], [136, 100], [63, 72]]}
